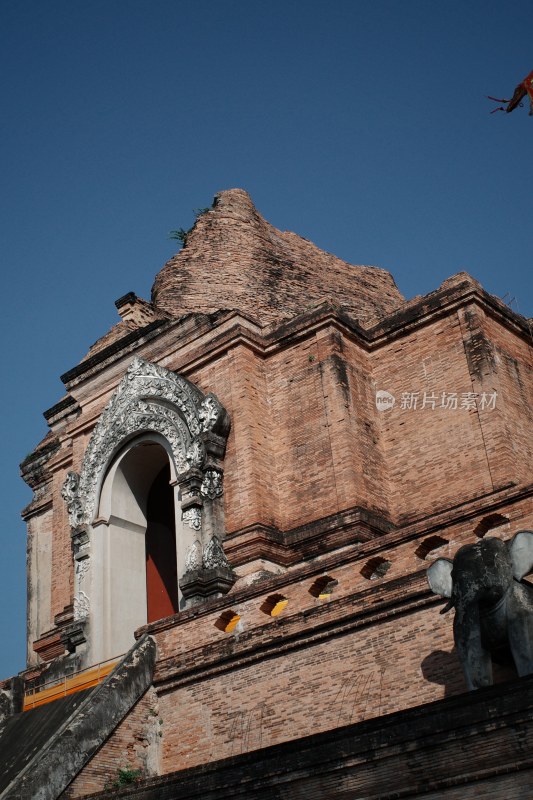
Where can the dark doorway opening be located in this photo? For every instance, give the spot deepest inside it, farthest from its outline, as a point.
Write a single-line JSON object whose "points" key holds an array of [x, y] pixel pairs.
{"points": [[161, 563]]}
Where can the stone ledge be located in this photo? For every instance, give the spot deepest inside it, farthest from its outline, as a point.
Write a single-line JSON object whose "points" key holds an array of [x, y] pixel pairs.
{"points": [[67, 404], [467, 741]]}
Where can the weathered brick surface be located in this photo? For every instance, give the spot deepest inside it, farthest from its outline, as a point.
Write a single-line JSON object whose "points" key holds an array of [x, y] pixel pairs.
{"points": [[251, 492], [438, 456], [62, 569], [430, 451], [507, 434], [451, 748], [332, 676], [342, 680], [235, 259]]}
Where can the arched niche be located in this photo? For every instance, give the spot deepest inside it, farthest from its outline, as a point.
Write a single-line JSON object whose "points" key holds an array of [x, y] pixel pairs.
{"points": [[139, 543], [153, 464]]}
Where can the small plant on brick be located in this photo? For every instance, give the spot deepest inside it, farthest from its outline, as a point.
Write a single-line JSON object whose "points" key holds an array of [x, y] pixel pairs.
{"points": [[180, 234], [126, 776]]}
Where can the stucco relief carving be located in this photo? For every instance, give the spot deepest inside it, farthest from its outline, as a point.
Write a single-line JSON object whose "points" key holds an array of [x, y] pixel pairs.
{"points": [[193, 518], [208, 572], [81, 606], [82, 568], [214, 556], [212, 484], [151, 399], [195, 455], [193, 559], [69, 493], [148, 399], [208, 413]]}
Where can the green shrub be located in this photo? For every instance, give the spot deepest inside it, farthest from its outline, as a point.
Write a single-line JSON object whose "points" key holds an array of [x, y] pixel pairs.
{"points": [[127, 776]]}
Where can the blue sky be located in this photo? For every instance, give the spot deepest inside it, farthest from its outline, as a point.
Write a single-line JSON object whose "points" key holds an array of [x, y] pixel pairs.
{"points": [[363, 126]]}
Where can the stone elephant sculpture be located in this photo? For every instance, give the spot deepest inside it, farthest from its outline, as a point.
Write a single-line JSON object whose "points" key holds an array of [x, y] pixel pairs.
{"points": [[493, 607]]}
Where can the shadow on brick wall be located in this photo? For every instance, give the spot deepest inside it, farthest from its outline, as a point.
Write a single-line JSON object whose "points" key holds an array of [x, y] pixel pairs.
{"points": [[444, 668]]}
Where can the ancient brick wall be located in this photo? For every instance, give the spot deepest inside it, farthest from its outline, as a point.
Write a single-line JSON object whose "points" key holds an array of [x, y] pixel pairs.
{"points": [[250, 484], [507, 434], [339, 681], [62, 567], [307, 441], [377, 646], [434, 454]]}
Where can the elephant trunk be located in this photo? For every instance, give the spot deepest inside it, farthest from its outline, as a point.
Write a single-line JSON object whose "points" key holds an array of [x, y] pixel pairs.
{"points": [[449, 605]]}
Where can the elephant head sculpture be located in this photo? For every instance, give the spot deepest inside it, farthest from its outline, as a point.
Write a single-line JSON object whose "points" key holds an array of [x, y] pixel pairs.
{"points": [[493, 607]]}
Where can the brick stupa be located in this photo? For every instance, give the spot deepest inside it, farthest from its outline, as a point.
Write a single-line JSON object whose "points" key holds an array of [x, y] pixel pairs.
{"points": [[232, 516]]}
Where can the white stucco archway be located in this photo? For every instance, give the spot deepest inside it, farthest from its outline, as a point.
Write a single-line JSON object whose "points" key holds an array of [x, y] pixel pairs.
{"points": [[121, 585], [155, 419]]}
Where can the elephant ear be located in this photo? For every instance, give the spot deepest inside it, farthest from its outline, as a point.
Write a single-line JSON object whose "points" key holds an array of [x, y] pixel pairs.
{"points": [[439, 576], [521, 550]]}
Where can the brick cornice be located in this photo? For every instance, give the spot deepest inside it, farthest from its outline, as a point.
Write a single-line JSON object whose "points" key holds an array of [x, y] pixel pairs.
{"points": [[229, 329], [378, 545], [65, 406], [311, 626], [367, 532], [36, 507], [131, 340], [348, 527]]}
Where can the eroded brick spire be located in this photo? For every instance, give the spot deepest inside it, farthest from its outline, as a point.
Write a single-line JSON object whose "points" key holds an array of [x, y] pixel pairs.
{"points": [[234, 259]]}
